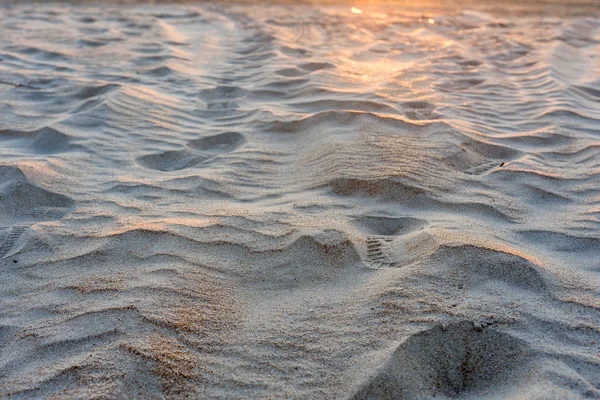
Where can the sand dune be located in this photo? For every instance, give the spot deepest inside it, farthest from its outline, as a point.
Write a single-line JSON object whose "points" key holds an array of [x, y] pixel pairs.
{"points": [[395, 201]]}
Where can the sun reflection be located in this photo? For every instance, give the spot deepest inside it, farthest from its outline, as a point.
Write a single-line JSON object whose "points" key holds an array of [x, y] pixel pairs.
{"points": [[356, 10], [424, 18]]}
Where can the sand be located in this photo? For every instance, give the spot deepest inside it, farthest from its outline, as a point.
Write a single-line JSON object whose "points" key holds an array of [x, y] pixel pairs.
{"points": [[300, 201]]}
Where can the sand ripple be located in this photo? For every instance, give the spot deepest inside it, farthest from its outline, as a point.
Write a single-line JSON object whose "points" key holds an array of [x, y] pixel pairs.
{"points": [[235, 201]]}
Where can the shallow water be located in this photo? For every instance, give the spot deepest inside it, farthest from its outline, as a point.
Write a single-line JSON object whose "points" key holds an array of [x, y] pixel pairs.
{"points": [[238, 201]]}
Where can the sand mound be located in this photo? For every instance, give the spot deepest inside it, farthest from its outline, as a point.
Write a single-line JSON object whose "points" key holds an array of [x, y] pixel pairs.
{"points": [[199, 151], [480, 266], [22, 202], [42, 141], [476, 158], [456, 361], [318, 259]]}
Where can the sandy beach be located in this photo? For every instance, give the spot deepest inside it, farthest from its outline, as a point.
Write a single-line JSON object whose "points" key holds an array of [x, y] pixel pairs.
{"points": [[300, 201]]}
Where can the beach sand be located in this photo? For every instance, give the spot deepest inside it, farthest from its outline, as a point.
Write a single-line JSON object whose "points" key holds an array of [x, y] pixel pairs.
{"points": [[350, 201]]}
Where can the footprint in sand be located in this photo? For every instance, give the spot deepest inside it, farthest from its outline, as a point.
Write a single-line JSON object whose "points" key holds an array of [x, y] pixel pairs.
{"points": [[221, 98], [419, 110], [199, 151], [14, 233], [395, 241]]}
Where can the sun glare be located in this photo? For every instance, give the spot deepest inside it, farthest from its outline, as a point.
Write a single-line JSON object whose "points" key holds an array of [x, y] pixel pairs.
{"points": [[356, 10]]}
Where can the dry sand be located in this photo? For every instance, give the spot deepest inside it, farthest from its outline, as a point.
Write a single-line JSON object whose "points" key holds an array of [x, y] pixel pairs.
{"points": [[293, 201]]}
